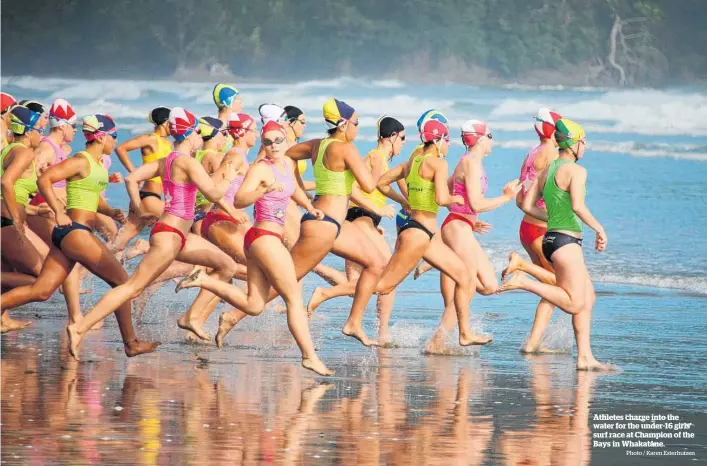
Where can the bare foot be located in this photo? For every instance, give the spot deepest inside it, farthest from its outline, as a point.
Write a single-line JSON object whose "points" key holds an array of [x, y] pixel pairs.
{"points": [[135, 347], [359, 334], [591, 364], [11, 325], [74, 340], [540, 349], [473, 339], [420, 269], [438, 343], [316, 365], [226, 322], [384, 340], [190, 281], [316, 299], [514, 282], [515, 262], [193, 325]]}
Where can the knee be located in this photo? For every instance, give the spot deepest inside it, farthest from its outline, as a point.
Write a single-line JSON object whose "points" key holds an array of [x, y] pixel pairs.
{"points": [[227, 268], [376, 264], [43, 292], [384, 288], [135, 291], [577, 306]]}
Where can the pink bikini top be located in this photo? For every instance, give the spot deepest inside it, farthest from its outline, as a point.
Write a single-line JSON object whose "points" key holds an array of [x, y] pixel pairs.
{"points": [[529, 174], [179, 199], [272, 206], [459, 189], [60, 157]]}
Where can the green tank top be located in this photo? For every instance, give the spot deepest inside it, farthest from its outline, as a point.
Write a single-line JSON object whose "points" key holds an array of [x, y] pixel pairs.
{"points": [[85, 193], [330, 182], [560, 215], [421, 192], [24, 187], [200, 199]]}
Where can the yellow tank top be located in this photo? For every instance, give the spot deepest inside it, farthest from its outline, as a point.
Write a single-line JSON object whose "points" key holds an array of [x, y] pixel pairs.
{"points": [[85, 193], [24, 187], [200, 199], [163, 150], [377, 197], [301, 166], [330, 183], [421, 192]]}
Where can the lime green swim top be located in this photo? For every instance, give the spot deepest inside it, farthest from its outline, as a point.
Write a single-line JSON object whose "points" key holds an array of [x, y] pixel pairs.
{"points": [[24, 187], [421, 192], [85, 193], [199, 156], [330, 183], [560, 215]]}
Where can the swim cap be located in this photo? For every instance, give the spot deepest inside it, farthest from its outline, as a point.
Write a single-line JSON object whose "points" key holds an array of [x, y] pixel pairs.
{"points": [[473, 130], [545, 122], [239, 124], [209, 127], [292, 113], [336, 112], [22, 119], [401, 219], [270, 112], [431, 114], [568, 133], [224, 94], [272, 126], [433, 130], [388, 126], [61, 114], [6, 101], [181, 123], [34, 106], [94, 126], [158, 116]]}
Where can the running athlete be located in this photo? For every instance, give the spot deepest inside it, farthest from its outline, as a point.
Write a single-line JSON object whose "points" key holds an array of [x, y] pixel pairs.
{"points": [[469, 181], [182, 176], [532, 230], [213, 134], [6, 103], [337, 164], [367, 214], [426, 177], [563, 187], [18, 167], [228, 100], [269, 184], [153, 146], [72, 239]]}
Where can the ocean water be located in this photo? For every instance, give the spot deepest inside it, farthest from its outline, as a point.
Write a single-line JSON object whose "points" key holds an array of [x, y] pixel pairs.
{"points": [[647, 184]]}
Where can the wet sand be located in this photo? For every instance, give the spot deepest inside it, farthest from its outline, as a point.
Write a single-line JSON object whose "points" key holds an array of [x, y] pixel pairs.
{"points": [[251, 403]]}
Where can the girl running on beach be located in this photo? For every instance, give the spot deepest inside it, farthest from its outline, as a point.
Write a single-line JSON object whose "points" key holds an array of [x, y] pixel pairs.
{"points": [[469, 181], [563, 187], [72, 239], [181, 176], [6, 103], [269, 184], [426, 178], [153, 146]]}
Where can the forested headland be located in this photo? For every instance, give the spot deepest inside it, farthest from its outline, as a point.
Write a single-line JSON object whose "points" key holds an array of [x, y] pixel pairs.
{"points": [[580, 42]]}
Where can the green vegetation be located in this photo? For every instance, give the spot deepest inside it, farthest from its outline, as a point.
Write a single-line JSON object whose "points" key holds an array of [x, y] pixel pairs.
{"points": [[620, 42]]}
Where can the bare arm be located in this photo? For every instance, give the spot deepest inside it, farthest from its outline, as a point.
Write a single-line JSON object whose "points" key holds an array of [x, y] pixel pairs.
{"points": [[442, 194], [520, 196], [21, 160], [529, 204], [301, 199], [198, 176], [577, 193], [254, 186], [69, 168], [477, 201], [302, 151], [367, 180], [132, 182], [362, 201], [135, 143]]}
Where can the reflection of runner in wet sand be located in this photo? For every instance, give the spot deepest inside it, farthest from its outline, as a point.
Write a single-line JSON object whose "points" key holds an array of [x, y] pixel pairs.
{"points": [[269, 184], [562, 186]]}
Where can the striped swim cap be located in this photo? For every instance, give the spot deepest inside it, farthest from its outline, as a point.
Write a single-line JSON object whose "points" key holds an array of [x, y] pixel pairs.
{"points": [[22, 119], [545, 121], [336, 112], [6, 101], [209, 127], [431, 114], [568, 133], [224, 94], [61, 113], [181, 123], [94, 126]]}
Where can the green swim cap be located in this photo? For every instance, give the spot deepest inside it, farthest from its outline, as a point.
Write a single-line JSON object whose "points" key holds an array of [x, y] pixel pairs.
{"points": [[568, 133]]}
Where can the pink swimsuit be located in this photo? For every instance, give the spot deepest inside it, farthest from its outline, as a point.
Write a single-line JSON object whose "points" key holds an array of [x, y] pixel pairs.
{"points": [[179, 199], [60, 157], [272, 206], [528, 174], [459, 189]]}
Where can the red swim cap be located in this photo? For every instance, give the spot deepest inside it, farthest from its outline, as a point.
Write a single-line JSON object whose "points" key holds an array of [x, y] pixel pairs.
{"points": [[433, 130], [239, 124], [473, 130], [181, 123], [272, 126], [545, 122], [6, 101], [61, 113]]}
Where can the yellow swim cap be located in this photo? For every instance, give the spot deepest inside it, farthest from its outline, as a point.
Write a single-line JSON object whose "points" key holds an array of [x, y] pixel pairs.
{"points": [[568, 133], [335, 111]]}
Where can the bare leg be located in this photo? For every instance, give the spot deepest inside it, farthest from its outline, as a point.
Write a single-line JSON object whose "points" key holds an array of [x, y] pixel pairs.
{"points": [[515, 262], [15, 279], [106, 227], [544, 311]]}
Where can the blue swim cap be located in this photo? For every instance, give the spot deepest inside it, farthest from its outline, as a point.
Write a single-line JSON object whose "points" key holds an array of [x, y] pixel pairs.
{"points": [[401, 219], [431, 114], [224, 94]]}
